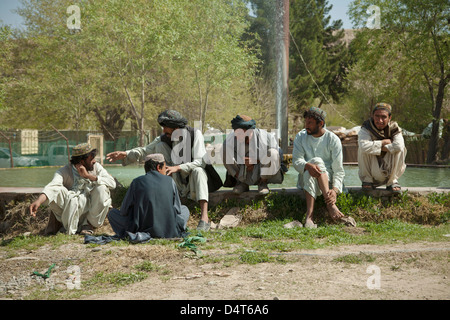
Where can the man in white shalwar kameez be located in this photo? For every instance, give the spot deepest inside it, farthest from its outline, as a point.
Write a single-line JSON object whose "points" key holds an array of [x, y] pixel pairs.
{"points": [[252, 157], [79, 193], [381, 150], [317, 156], [187, 169]]}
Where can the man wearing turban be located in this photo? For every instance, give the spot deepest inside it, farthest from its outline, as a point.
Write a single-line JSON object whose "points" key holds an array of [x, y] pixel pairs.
{"points": [[252, 157], [183, 149], [381, 150]]}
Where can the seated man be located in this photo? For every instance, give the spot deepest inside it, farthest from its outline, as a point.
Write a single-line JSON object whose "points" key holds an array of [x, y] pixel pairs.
{"points": [[317, 156], [78, 195], [151, 204], [251, 157], [381, 150], [187, 170]]}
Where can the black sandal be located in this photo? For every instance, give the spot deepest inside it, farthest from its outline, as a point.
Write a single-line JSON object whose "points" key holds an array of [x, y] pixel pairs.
{"points": [[392, 186], [368, 186]]}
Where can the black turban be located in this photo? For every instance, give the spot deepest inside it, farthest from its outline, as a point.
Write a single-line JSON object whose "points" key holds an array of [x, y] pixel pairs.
{"points": [[243, 122], [172, 119]]}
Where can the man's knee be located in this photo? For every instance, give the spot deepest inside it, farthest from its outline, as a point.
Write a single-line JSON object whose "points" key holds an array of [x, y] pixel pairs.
{"points": [[317, 161], [100, 192], [198, 173]]}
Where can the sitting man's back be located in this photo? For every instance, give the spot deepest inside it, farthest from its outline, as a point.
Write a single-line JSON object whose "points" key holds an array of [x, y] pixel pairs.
{"points": [[151, 205]]}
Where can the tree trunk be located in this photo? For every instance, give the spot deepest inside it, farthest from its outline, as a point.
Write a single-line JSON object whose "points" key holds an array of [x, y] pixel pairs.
{"points": [[434, 140], [203, 118]]}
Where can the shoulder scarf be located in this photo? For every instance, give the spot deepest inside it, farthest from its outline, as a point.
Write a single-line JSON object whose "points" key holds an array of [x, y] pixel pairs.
{"points": [[389, 132]]}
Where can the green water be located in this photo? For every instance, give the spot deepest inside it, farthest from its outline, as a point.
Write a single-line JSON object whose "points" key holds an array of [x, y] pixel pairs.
{"points": [[39, 177]]}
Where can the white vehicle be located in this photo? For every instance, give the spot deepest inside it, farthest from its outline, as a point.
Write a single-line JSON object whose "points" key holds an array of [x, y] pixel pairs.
{"points": [[57, 155], [18, 161]]}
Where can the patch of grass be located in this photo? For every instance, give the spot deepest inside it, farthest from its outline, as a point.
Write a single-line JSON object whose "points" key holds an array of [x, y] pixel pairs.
{"points": [[116, 279], [355, 258], [33, 242], [148, 266], [254, 257]]}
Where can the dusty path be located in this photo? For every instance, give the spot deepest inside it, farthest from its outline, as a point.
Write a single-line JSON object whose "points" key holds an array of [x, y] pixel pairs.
{"points": [[412, 271]]}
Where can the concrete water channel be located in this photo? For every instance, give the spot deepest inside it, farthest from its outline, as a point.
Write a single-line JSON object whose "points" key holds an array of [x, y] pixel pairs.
{"points": [[38, 177]]}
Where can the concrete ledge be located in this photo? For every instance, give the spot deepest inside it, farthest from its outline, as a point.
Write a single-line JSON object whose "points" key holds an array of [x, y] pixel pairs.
{"points": [[220, 195], [10, 193]]}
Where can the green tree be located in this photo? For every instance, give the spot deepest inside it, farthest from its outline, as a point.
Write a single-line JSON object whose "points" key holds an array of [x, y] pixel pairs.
{"points": [[130, 60], [324, 53], [212, 50], [262, 30], [5, 58], [419, 30]]}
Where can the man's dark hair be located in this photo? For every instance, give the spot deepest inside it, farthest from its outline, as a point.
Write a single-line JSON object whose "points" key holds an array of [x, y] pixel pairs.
{"points": [[314, 115], [151, 165], [77, 159]]}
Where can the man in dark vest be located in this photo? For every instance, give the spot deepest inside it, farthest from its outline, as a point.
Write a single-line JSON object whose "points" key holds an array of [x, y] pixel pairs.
{"points": [[151, 204], [381, 150], [184, 157]]}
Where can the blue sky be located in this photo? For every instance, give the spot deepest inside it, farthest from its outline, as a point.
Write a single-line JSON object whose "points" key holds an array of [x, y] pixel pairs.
{"points": [[339, 11]]}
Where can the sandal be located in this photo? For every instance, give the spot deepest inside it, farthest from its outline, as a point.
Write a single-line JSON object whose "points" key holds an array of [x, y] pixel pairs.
{"points": [[87, 230], [394, 185], [368, 186], [348, 221]]}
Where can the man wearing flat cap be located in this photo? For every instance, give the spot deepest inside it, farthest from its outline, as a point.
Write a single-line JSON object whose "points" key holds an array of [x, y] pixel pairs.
{"points": [[151, 205], [183, 149], [317, 156], [79, 193], [381, 150], [251, 157]]}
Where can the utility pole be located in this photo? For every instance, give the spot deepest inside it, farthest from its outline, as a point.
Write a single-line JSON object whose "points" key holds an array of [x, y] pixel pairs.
{"points": [[282, 59]]}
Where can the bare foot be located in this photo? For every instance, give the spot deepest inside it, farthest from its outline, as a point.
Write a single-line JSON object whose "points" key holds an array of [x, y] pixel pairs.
{"points": [[334, 212]]}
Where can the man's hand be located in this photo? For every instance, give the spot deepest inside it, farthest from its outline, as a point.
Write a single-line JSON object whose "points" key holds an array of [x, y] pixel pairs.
{"points": [[249, 165], [116, 155], [84, 173], [331, 196], [313, 170], [384, 143], [36, 204], [173, 169]]}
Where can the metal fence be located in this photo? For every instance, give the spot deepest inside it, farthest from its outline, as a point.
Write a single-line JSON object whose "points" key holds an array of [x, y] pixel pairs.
{"points": [[31, 148]]}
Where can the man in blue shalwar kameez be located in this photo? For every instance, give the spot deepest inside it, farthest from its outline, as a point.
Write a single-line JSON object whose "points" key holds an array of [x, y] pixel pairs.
{"points": [[151, 205]]}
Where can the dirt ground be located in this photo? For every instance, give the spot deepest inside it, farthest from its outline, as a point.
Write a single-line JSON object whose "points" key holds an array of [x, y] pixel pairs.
{"points": [[399, 271], [405, 272]]}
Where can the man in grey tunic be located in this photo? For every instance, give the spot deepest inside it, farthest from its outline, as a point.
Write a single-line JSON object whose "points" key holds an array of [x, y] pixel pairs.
{"points": [[252, 157], [79, 193], [151, 205], [185, 161]]}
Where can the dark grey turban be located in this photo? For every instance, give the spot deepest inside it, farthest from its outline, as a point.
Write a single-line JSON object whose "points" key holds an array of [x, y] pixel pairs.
{"points": [[243, 122], [172, 119]]}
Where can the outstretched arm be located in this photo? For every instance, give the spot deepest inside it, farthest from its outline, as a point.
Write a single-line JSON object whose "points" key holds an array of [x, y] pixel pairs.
{"points": [[37, 203]]}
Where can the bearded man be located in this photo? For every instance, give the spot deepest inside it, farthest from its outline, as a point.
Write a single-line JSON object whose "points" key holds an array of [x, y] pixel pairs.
{"points": [[381, 150], [317, 156], [184, 150], [252, 157], [79, 193]]}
